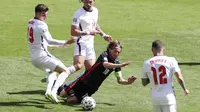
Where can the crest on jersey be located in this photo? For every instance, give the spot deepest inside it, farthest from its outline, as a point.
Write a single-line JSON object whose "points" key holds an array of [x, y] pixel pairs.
{"points": [[105, 59], [75, 20], [44, 30]]}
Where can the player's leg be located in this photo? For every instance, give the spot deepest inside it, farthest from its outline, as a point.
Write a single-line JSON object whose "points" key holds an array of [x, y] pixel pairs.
{"points": [[65, 90], [90, 58], [157, 108], [70, 91], [169, 108], [77, 97], [53, 64], [45, 78], [79, 62], [89, 63], [63, 74], [72, 100], [46, 64], [50, 81], [79, 58]]}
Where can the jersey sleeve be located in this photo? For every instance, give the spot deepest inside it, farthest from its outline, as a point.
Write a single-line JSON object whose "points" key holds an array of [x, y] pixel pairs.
{"points": [[47, 36], [97, 13], [145, 70], [104, 57], [175, 67], [76, 19]]}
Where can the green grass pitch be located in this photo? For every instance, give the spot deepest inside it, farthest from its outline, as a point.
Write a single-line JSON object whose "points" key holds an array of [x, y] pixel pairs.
{"points": [[136, 23]]}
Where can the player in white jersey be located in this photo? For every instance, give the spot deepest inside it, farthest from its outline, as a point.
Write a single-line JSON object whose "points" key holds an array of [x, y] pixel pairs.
{"points": [[85, 27], [39, 38], [158, 71]]}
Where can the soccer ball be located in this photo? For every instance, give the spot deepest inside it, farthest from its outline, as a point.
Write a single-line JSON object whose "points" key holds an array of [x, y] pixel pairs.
{"points": [[88, 103]]}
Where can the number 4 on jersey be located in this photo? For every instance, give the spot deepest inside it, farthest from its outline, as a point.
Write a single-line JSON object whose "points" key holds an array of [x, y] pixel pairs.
{"points": [[161, 74], [30, 35]]}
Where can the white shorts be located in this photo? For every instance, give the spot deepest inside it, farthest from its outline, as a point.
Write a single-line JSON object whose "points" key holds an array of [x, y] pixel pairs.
{"points": [[84, 50], [165, 108], [46, 63]]}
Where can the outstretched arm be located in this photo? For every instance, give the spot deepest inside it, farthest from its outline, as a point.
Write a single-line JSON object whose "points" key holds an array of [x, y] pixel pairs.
{"points": [[122, 81], [113, 65], [66, 44]]}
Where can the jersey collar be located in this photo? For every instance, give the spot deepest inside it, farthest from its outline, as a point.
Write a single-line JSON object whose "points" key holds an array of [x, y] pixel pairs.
{"points": [[87, 9]]}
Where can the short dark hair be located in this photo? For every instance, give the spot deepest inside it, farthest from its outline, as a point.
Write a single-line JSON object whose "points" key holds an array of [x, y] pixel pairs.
{"points": [[113, 44], [82, 0], [41, 8], [158, 45]]}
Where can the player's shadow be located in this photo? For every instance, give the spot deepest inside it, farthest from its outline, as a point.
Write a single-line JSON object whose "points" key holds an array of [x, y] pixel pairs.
{"points": [[108, 104], [74, 105], [79, 107], [29, 103], [189, 63], [33, 92]]}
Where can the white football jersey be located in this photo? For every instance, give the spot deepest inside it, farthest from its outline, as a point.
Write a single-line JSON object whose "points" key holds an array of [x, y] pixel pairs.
{"points": [[159, 70], [39, 38], [86, 21]]}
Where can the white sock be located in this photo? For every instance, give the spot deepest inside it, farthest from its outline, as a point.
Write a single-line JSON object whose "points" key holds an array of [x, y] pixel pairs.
{"points": [[72, 69], [50, 80], [60, 80]]}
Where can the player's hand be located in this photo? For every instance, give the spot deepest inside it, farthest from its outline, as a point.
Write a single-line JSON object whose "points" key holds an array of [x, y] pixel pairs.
{"points": [[65, 45], [68, 42], [126, 63], [186, 92], [71, 40], [108, 38], [131, 79]]}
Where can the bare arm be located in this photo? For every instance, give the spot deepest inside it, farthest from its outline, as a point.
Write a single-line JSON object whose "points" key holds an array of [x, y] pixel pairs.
{"points": [[101, 33], [75, 31], [68, 42], [181, 82], [113, 65], [122, 81]]}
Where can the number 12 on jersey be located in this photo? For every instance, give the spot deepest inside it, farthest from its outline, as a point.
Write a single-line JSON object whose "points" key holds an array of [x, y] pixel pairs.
{"points": [[159, 75]]}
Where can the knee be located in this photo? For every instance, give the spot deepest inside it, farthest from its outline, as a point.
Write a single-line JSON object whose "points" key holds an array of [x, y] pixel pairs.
{"points": [[62, 93], [78, 66], [72, 100]]}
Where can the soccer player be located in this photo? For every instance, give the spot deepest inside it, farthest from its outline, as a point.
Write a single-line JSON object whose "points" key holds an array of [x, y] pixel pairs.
{"points": [[158, 71], [84, 27], [39, 38], [91, 80]]}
